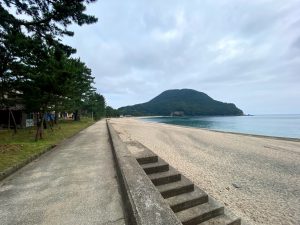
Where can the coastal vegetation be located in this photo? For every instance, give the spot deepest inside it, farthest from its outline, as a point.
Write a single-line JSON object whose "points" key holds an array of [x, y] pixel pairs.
{"points": [[111, 112], [37, 70], [182, 102]]}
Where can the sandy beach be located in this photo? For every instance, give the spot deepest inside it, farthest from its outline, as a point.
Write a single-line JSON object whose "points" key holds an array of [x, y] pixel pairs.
{"points": [[265, 170]]}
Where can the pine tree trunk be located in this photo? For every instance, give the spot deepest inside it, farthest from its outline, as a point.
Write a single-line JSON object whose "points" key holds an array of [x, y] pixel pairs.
{"points": [[15, 124], [8, 119], [55, 117], [39, 126]]}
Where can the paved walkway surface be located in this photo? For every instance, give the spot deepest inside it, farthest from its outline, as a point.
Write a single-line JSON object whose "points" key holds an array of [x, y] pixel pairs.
{"points": [[73, 184]]}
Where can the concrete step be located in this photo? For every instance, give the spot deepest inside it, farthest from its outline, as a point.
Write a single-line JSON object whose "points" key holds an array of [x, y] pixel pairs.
{"points": [[147, 159], [200, 213], [176, 188], [187, 200], [222, 220], [157, 167], [165, 177]]}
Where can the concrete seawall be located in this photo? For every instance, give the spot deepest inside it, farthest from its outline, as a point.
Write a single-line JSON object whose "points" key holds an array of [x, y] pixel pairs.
{"points": [[143, 203]]}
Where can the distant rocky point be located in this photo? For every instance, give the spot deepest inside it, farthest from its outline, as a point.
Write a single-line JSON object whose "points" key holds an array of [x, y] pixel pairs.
{"points": [[182, 102]]}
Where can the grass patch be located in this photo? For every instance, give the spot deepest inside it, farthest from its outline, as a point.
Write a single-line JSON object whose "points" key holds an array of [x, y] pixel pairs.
{"points": [[15, 148]]}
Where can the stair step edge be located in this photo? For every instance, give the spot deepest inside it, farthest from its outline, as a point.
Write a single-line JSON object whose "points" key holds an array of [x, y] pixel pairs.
{"points": [[201, 213], [187, 200], [222, 220], [183, 182], [147, 159]]}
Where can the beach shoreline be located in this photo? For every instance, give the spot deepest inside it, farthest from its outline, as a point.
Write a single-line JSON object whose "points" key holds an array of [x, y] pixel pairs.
{"points": [[266, 168], [220, 131], [144, 118]]}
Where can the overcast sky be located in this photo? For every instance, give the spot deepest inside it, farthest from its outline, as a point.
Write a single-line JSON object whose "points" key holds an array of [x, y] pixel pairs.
{"points": [[240, 51]]}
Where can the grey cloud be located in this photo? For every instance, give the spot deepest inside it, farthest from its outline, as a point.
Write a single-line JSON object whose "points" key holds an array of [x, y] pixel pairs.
{"points": [[229, 49], [296, 43]]}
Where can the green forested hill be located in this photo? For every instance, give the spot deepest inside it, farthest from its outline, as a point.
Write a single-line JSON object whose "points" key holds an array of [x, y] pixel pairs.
{"points": [[187, 101]]}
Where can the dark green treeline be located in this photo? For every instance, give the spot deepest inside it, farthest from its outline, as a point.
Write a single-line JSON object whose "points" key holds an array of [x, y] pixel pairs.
{"points": [[37, 70]]}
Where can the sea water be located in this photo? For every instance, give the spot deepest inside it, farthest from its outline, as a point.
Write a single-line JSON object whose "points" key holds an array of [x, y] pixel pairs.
{"points": [[269, 125]]}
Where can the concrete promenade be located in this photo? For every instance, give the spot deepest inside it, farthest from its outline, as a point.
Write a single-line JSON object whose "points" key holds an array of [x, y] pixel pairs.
{"points": [[75, 183]]}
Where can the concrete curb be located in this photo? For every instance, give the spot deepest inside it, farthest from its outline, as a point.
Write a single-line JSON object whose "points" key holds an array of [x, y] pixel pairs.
{"points": [[9, 171], [143, 203]]}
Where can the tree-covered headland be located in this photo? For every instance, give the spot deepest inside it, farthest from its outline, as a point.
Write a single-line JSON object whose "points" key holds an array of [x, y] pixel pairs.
{"points": [[180, 102]]}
